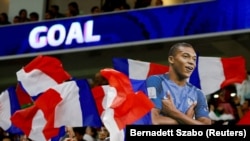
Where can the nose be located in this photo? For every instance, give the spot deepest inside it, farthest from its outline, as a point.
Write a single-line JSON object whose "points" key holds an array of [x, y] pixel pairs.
{"points": [[192, 61]]}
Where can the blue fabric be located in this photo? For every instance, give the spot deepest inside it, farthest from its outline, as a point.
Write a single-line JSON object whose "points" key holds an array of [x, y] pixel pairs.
{"points": [[183, 96], [14, 107], [89, 110]]}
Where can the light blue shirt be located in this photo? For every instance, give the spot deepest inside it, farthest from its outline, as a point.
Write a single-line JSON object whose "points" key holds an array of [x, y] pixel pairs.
{"points": [[183, 96]]}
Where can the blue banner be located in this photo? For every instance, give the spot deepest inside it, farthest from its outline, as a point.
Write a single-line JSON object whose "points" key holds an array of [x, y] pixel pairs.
{"points": [[97, 31]]}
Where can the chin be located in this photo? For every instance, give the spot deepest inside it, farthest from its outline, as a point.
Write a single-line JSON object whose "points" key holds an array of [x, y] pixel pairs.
{"points": [[186, 76]]}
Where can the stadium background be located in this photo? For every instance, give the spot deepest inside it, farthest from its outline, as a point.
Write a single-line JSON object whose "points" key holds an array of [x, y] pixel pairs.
{"points": [[85, 64]]}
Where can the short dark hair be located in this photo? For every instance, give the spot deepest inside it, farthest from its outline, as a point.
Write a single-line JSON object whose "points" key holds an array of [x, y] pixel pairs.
{"points": [[56, 7], [94, 8], [175, 47], [79, 130], [34, 14]]}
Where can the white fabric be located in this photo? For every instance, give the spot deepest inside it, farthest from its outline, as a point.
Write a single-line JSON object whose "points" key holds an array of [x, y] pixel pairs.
{"points": [[5, 110], [70, 105], [107, 115], [210, 84], [134, 66], [35, 82]]}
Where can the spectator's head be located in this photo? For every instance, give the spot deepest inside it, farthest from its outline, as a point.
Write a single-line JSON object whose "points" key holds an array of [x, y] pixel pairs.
{"points": [[142, 3], [49, 15], [246, 105], [158, 2], [16, 19], [23, 13], [99, 80], [4, 17], [92, 131], [103, 133], [34, 16], [79, 133], [73, 9], [95, 10], [55, 9]]}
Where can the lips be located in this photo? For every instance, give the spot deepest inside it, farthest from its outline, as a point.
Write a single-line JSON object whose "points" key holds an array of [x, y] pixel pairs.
{"points": [[189, 68]]}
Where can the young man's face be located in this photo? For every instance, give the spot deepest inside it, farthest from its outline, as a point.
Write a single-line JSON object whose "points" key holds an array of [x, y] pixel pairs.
{"points": [[184, 62]]}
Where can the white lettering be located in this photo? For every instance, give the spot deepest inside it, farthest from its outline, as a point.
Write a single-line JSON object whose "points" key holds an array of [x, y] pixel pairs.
{"points": [[34, 40], [75, 32], [132, 132], [57, 34], [88, 32], [193, 132], [56, 39]]}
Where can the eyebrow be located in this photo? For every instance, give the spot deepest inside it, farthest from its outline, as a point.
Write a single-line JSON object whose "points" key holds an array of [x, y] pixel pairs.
{"points": [[188, 54]]}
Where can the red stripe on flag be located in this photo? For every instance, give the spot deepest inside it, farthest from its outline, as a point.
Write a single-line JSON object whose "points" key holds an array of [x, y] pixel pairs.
{"points": [[234, 70], [50, 66], [98, 95], [23, 119], [133, 108], [47, 102], [157, 69], [119, 81], [128, 106]]}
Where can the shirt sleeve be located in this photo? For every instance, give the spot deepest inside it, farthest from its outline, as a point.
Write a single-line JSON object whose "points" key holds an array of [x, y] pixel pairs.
{"points": [[201, 109], [154, 90]]}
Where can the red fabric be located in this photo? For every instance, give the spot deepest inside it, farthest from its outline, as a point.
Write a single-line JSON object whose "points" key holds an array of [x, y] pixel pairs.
{"points": [[23, 119], [234, 70], [24, 98], [128, 105], [98, 95], [157, 69], [50, 66], [49, 111], [245, 120]]}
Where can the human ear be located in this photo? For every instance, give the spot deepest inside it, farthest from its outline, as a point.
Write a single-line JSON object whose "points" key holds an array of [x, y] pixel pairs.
{"points": [[170, 59]]}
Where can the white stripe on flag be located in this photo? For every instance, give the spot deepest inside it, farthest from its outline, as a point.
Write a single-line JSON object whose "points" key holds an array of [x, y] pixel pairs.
{"points": [[134, 66], [70, 105], [39, 122], [210, 77], [107, 115], [30, 81], [5, 110]]}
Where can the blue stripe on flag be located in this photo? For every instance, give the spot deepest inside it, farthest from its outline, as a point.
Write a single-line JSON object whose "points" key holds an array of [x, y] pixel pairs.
{"points": [[195, 78], [121, 64], [89, 110], [14, 105]]}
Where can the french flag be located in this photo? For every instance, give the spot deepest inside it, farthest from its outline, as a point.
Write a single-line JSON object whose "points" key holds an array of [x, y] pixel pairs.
{"points": [[70, 103], [138, 71], [118, 104], [214, 73], [40, 74], [9, 105], [210, 75]]}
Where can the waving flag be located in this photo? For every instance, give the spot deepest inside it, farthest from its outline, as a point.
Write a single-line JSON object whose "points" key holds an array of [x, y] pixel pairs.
{"points": [[67, 104], [211, 74], [215, 73], [8, 105], [118, 104], [40, 74], [138, 71]]}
